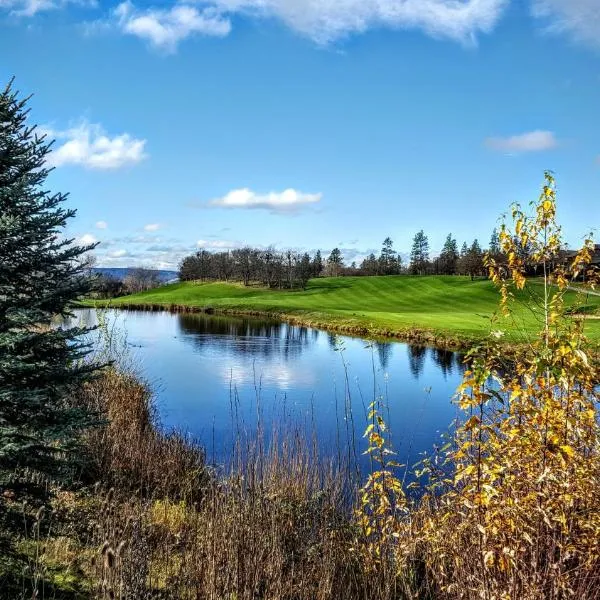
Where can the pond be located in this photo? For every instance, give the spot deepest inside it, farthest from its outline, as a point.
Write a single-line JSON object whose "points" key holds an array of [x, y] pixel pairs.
{"points": [[216, 376]]}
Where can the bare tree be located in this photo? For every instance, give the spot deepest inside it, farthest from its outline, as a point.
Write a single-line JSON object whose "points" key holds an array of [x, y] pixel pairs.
{"points": [[140, 280]]}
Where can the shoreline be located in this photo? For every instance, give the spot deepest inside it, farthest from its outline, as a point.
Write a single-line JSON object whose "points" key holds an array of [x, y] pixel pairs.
{"points": [[416, 335]]}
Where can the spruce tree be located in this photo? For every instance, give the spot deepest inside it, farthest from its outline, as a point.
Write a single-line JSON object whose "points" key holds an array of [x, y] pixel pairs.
{"points": [[317, 265], [370, 265], [419, 255], [304, 270], [494, 243], [41, 275], [387, 259], [335, 262], [449, 256]]}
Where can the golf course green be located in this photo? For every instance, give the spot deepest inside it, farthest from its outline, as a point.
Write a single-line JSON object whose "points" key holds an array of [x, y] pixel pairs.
{"points": [[447, 310]]}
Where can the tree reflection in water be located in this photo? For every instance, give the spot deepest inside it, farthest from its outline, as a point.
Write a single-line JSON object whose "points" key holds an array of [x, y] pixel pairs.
{"points": [[246, 336]]}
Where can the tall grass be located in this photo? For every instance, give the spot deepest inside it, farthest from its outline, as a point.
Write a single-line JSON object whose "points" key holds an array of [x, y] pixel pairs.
{"points": [[130, 452], [277, 524]]}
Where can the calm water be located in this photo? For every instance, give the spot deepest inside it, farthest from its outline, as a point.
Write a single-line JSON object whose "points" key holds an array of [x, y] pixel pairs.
{"points": [[214, 376]]}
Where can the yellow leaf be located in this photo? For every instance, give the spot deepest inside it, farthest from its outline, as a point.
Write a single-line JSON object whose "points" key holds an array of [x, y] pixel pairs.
{"points": [[471, 423], [567, 451], [489, 559]]}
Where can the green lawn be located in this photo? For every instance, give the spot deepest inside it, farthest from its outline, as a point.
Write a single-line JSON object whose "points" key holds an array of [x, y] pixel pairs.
{"points": [[440, 306]]}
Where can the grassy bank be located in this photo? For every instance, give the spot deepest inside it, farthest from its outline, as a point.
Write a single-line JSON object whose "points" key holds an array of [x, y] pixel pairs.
{"points": [[159, 523], [440, 310]]}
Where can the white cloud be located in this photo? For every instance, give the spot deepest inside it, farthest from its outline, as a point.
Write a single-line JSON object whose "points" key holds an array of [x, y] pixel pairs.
{"points": [[533, 141], [165, 28], [139, 239], [217, 244], [118, 254], [152, 227], [28, 8], [143, 250], [287, 201], [326, 21], [89, 146], [153, 260], [578, 18], [167, 248], [101, 224], [86, 239]]}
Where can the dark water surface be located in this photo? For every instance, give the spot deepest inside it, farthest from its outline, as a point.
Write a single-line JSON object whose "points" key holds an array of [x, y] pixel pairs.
{"points": [[215, 376]]}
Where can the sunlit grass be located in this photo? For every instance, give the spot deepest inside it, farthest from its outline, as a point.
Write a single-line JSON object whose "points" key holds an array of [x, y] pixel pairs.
{"points": [[443, 305]]}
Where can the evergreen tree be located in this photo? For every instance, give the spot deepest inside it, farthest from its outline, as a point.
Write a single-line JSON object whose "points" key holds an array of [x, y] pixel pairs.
{"points": [[494, 244], [370, 265], [317, 265], [304, 270], [387, 259], [461, 265], [419, 256], [398, 265], [41, 274], [335, 262], [449, 256], [471, 260]]}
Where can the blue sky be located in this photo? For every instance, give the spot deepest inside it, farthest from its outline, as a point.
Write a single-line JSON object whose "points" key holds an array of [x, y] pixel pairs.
{"points": [[308, 123]]}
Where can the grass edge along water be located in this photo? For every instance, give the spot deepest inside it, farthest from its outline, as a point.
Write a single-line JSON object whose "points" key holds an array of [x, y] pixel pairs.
{"points": [[444, 311]]}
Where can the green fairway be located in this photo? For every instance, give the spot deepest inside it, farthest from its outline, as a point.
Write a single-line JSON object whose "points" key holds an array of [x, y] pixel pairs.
{"points": [[434, 306]]}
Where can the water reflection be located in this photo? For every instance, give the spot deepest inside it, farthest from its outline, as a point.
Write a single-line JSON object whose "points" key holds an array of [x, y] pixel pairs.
{"points": [[242, 336], [384, 351], [211, 374], [417, 355], [333, 341], [448, 361]]}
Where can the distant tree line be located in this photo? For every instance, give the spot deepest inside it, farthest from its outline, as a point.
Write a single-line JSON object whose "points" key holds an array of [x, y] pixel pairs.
{"points": [[468, 261], [289, 269], [286, 269]]}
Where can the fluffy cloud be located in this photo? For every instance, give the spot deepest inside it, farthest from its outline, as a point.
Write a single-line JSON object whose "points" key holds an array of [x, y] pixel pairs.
{"points": [[101, 224], [142, 251], [578, 18], [533, 141], [326, 21], [118, 254], [289, 200], [88, 145], [165, 28], [86, 240], [166, 258], [152, 227]]}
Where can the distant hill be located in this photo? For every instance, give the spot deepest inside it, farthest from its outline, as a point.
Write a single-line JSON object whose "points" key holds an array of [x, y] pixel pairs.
{"points": [[121, 272]]}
